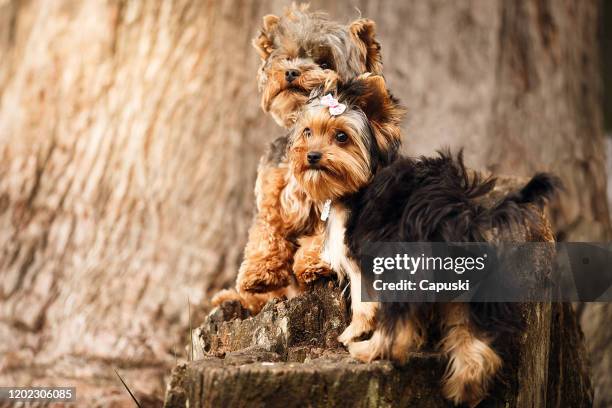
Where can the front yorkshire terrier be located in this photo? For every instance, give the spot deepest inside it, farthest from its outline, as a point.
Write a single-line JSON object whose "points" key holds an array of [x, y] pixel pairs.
{"points": [[340, 156], [338, 143], [300, 51]]}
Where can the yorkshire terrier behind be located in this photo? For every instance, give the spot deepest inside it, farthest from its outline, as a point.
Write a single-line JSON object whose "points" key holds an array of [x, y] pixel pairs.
{"points": [[300, 51], [339, 157]]}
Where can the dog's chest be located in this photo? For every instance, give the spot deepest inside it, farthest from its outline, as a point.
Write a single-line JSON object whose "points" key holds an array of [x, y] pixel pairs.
{"points": [[334, 250]]}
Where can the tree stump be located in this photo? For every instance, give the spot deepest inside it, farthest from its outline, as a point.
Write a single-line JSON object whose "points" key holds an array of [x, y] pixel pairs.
{"points": [[287, 356]]}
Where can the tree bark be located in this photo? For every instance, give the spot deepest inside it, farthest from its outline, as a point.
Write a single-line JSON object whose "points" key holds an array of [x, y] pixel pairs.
{"points": [[595, 321], [130, 133]]}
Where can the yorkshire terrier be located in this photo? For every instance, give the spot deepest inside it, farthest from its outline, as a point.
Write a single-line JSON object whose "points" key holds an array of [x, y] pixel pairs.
{"points": [[340, 157], [300, 51]]}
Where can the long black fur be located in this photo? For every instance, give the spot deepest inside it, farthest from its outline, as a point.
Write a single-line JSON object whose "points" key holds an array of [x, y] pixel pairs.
{"points": [[435, 200]]}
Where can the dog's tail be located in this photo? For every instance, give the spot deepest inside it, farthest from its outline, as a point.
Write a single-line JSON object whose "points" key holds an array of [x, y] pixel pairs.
{"points": [[542, 188], [521, 206]]}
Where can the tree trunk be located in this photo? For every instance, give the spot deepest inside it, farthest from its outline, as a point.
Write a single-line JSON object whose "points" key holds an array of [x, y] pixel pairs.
{"points": [[130, 132], [595, 321]]}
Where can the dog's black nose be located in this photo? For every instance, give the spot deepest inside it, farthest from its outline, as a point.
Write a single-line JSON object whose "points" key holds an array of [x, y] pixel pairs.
{"points": [[313, 157], [291, 74]]}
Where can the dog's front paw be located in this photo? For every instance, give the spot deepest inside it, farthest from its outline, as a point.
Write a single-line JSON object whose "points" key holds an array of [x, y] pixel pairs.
{"points": [[308, 273], [366, 350], [262, 277], [354, 331], [225, 295]]}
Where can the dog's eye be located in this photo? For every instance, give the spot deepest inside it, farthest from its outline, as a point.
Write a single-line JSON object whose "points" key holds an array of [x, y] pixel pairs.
{"points": [[307, 132], [325, 65], [341, 137]]}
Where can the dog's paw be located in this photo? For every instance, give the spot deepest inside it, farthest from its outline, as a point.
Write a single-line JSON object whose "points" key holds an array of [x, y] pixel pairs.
{"points": [[225, 295], [354, 331], [470, 372], [308, 273], [264, 274], [366, 350], [464, 391], [260, 280]]}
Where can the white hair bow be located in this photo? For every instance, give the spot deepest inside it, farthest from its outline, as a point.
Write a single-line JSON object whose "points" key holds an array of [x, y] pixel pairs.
{"points": [[335, 108]]}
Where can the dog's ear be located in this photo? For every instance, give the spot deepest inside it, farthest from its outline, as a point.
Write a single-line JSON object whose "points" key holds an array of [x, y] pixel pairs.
{"points": [[383, 111], [363, 33], [264, 41], [377, 102]]}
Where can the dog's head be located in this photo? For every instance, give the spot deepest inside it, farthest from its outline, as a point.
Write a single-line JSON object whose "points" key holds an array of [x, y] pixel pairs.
{"points": [[343, 136], [302, 50]]}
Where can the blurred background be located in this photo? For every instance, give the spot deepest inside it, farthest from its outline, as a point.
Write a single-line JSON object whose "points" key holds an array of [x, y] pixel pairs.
{"points": [[130, 133]]}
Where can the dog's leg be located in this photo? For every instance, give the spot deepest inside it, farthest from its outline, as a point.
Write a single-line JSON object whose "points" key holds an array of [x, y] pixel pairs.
{"points": [[363, 318], [394, 342], [308, 265], [472, 362], [268, 255], [254, 302], [267, 260]]}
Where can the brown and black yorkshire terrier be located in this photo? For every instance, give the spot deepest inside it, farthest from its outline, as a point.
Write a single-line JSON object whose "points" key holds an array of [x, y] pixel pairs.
{"points": [[342, 153], [300, 51]]}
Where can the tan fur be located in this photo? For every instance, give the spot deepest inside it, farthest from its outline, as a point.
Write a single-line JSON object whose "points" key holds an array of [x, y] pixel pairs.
{"points": [[254, 302], [353, 49], [472, 362], [297, 210], [347, 166], [372, 349], [363, 320], [408, 336], [263, 43], [383, 114], [364, 32], [308, 265], [269, 253], [283, 100]]}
